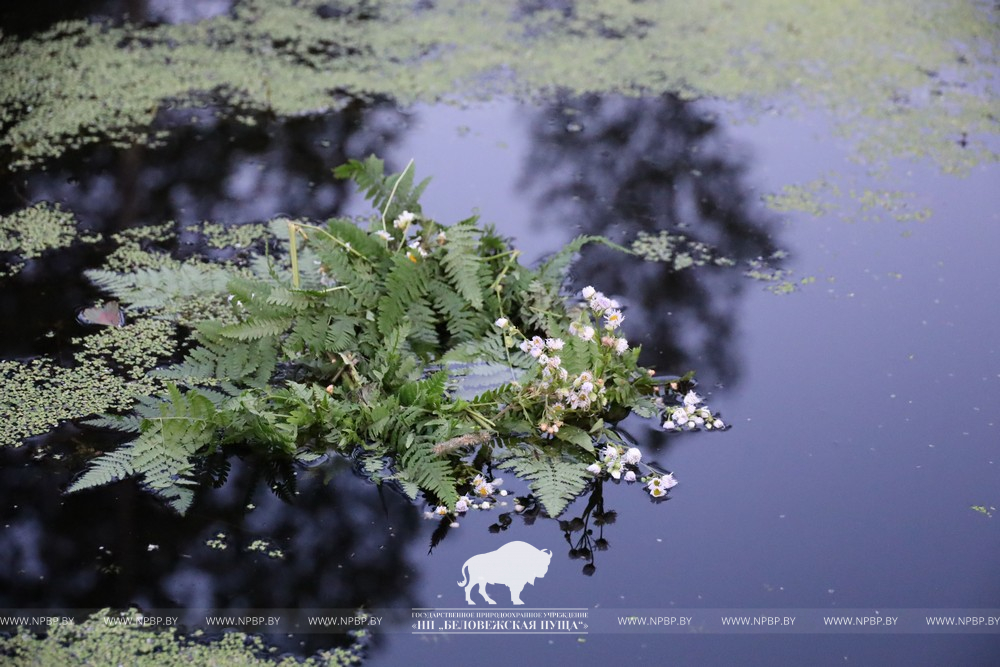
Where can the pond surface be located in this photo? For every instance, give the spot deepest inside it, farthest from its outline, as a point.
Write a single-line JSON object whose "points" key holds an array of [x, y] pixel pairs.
{"points": [[862, 384]]}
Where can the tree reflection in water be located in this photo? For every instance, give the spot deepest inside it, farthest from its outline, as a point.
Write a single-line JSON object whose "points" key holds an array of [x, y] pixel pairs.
{"points": [[617, 166]]}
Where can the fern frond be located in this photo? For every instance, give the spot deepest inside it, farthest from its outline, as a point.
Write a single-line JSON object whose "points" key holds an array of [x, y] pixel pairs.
{"points": [[405, 284], [462, 323], [556, 479], [163, 453], [219, 362], [462, 263], [108, 467], [430, 471], [124, 423], [256, 328], [163, 287], [348, 232], [391, 195]]}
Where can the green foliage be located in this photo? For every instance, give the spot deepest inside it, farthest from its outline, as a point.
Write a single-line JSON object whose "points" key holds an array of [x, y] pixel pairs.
{"points": [[163, 454], [556, 477], [110, 637], [420, 345]]}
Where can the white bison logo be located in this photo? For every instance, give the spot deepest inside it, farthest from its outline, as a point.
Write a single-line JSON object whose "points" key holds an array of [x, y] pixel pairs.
{"points": [[513, 565]]}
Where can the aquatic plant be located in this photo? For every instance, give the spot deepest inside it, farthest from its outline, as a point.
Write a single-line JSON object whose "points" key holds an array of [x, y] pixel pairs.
{"points": [[115, 638], [425, 352]]}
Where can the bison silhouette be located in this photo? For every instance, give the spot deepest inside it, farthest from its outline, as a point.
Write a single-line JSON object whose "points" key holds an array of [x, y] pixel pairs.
{"points": [[513, 565]]}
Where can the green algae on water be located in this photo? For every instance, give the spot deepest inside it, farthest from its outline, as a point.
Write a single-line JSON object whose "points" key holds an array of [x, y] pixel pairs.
{"points": [[900, 78], [677, 250], [106, 638], [29, 232], [108, 374]]}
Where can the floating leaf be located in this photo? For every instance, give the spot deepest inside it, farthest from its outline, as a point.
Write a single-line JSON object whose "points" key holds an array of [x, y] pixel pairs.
{"points": [[107, 314]]}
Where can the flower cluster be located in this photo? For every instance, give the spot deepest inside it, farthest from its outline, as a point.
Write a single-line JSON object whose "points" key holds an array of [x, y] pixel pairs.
{"points": [[601, 308], [560, 389], [659, 485], [623, 464], [688, 415], [483, 498], [423, 237]]}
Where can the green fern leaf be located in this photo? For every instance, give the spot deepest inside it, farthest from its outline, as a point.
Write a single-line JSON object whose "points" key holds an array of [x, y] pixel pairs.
{"points": [[556, 479], [404, 285], [162, 455], [392, 194], [462, 264], [429, 471], [256, 329]]}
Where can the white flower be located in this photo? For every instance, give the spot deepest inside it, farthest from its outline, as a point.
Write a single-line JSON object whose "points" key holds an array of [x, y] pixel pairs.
{"points": [[669, 425], [503, 492], [384, 235], [484, 489], [616, 469], [719, 423], [629, 476], [518, 508], [679, 416], [404, 220], [613, 319], [588, 292], [574, 327], [658, 485], [667, 481], [633, 455], [691, 399], [594, 468], [620, 346], [586, 388], [415, 245], [441, 509], [555, 344], [501, 322], [599, 303], [484, 505], [587, 333], [462, 505], [610, 453], [453, 524]]}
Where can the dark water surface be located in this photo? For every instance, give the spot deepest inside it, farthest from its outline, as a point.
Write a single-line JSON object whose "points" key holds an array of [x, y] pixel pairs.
{"points": [[864, 405]]}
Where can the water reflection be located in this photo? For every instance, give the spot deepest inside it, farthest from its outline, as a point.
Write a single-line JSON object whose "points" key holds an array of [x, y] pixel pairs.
{"points": [[338, 545], [23, 20], [616, 166]]}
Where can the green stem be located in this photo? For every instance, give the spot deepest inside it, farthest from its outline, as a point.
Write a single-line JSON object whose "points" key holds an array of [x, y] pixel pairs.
{"points": [[346, 246], [392, 194], [293, 230]]}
